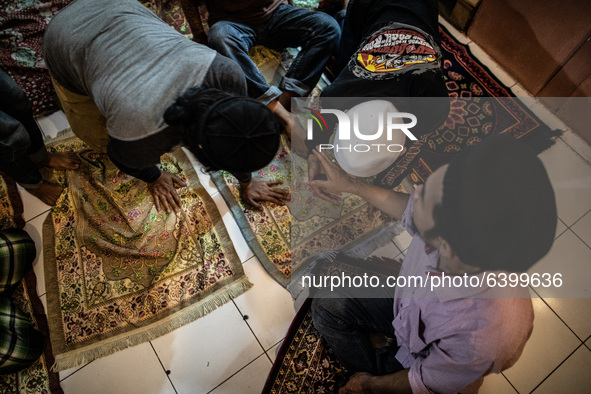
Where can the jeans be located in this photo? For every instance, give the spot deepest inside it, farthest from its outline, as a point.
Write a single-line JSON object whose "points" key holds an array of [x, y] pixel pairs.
{"points": [[344, 323], [315, 32], [21, 140]]}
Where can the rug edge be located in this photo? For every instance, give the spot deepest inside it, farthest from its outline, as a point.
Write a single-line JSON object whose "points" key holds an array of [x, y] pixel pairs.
{"points": [[150, 332]]}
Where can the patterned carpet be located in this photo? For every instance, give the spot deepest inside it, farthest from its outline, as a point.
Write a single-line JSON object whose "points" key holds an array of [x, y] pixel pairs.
{"points": [[480, 106], [117, 272], [305, 364], [283, 237]]}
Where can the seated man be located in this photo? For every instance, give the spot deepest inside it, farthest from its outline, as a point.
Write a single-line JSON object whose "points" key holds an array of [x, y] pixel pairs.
{"points": [[390, 49], [491, 211], [22, 150], [236, 26], [135, 88]]}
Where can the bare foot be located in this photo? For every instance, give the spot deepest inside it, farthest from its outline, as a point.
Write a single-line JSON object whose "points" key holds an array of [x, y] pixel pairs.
{"points": [[48, 192], [61, 161]]}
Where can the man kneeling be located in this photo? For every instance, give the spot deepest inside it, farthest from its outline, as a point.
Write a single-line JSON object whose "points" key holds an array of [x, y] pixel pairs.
{"points": [[490, 211]]}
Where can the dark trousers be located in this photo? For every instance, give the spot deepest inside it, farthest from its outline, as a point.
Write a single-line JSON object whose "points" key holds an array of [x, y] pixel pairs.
{"points": [[345, 322], [315, 32], [21, 140]]}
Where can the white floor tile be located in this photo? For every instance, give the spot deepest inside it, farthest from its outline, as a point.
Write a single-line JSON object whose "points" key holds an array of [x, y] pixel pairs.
{"points": [[32, 206], [576, 313], [571, 377], [519, 91], [52, 124], [495, 384], [35, 230], [492, 65], [249, 380], [274, 350], [569, 257], [268, 305], [242, 249], [583, 228], [134, 370], [560, 228], [544, 114], [208, 351], [204, 177], [402, 241], [550, 343], [577, 144], [571, 178], [390, 250], [458, 35], [68, 372], [43, 300]]}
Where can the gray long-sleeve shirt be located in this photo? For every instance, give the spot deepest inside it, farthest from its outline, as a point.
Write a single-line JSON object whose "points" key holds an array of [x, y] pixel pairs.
{"points": [[133, 66]]}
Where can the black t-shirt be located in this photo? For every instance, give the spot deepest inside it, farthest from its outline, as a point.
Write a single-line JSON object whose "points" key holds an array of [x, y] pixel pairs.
{"points": [[392, 49]]}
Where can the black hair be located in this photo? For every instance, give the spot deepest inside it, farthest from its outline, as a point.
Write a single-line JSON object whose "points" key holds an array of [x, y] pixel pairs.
{"points": [[188, 111], [225, 131]]}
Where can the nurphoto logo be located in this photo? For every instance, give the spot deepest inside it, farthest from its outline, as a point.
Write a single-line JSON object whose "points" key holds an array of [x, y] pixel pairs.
{"points": [[382, 124]]}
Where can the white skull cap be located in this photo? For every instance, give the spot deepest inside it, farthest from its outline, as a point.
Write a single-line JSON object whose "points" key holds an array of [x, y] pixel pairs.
{"points": [[365, 158]]}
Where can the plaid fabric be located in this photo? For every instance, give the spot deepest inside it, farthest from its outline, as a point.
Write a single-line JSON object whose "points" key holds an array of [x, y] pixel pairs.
{"points": [[20, 343], [17, 252]]}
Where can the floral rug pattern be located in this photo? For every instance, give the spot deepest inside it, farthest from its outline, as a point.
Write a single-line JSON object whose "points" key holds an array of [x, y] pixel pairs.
{"points": [[305, 364], [283, 237], [120, 273]]}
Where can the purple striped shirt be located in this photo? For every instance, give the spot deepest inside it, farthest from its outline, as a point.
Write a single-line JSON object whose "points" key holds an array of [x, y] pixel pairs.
{"points": [[452, 337]]}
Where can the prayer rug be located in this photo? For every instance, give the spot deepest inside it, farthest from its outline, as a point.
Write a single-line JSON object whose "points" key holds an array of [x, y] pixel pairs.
{"points": [[316, 228], [471, 118], [117, 272], [282, 237], [305, 363]]}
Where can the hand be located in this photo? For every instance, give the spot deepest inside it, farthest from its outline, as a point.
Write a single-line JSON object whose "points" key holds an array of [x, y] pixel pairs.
{"points": [[61, 161], [257, 190], [316, 172], [163, 191], [358, 383], [337, 181]]}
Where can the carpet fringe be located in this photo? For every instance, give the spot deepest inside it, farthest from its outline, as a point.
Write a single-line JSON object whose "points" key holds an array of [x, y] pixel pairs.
{"points": [[187, 315]]}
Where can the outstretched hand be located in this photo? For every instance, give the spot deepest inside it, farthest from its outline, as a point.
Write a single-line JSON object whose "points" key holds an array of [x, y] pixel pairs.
{"points": [[257, 190], [336, 180], [163, 191]]}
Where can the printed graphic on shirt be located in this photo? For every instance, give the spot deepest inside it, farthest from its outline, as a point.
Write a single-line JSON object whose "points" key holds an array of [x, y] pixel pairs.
{"points": [[392, 51]]}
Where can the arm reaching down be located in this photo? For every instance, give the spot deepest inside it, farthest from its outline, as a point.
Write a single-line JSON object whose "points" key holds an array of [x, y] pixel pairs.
{"points": [[337, 181], [163, 191]]}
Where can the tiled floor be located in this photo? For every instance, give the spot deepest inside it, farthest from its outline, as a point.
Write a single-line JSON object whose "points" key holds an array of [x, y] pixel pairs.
{"points": [[225, 352]]}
